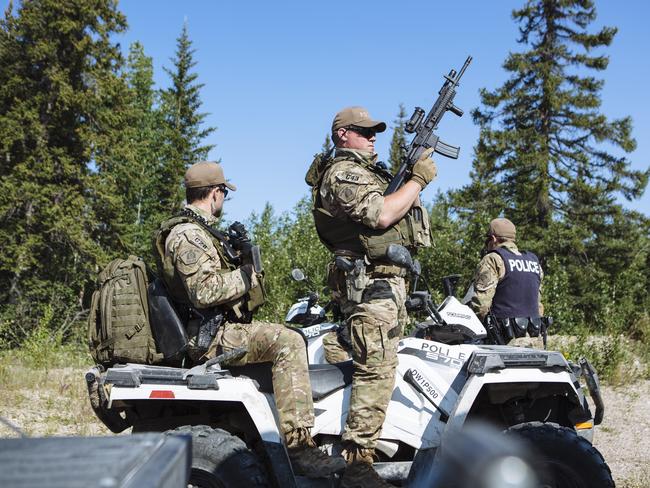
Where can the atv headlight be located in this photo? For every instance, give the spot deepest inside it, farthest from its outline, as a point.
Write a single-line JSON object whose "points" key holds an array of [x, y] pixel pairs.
{"points": [[481, 363]]}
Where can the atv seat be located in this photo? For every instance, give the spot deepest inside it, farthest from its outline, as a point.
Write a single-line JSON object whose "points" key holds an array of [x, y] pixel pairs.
{"points": [[324, 378], [327, 378]]}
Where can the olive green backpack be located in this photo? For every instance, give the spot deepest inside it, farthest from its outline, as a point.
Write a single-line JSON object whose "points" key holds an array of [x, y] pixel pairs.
{"points": [[118, 323]]}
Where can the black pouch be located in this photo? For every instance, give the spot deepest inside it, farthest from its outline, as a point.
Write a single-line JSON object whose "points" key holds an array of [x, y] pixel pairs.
{"points": [[520, 326], [506, 330], [534, 326]]}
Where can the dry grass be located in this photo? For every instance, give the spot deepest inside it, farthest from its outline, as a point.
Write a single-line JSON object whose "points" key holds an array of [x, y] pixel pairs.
{"points": [[50, 400]]}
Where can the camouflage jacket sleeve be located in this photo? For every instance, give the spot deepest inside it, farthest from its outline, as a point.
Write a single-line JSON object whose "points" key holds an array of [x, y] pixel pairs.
{"points": [[198, 265], [486, 278], [349, 189]]}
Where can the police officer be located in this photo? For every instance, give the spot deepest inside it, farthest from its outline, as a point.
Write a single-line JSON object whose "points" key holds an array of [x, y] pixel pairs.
{"points": [[357, 222], [199, 273], [507, 283]]}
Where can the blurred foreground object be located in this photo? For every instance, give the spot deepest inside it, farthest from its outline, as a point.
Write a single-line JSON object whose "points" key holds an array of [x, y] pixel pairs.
{"points": [[134, 461], [478, 456]]}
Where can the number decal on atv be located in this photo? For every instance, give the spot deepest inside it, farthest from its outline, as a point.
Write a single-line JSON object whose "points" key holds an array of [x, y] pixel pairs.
{"points": [[313, 331], [428, 389]]}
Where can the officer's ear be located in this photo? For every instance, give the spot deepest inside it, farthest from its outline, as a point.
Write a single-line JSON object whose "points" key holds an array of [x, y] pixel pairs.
{"points": [[341, 135]]}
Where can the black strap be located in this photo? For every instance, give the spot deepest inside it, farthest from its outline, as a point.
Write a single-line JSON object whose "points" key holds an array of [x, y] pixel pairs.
{"points": [[231, 254]]}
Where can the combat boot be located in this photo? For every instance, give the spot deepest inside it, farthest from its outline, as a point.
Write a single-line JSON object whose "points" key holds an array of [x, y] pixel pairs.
{"points": [[307, 459], [359, 473]]}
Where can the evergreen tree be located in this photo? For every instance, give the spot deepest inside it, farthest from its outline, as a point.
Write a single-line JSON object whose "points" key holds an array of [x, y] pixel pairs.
{"points": [[542, 133], [60, 102], [142, 153], [550, 161], [327, 144], [398, 141], [183, 123]]}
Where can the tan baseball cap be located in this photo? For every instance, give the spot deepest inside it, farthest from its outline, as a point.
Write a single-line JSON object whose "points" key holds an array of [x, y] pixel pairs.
{"points": [[358, 116], [502, 228], [206, 173]]}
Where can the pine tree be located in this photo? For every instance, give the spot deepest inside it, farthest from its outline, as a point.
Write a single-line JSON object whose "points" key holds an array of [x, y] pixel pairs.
{"points": [[184, 125], [551, 162], [542, 131], [398, 141], [60, 99], [142, 153], [327, 144]]}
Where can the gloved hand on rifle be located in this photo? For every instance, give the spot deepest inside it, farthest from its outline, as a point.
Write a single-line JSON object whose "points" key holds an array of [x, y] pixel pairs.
{"points": [[424, 170]]}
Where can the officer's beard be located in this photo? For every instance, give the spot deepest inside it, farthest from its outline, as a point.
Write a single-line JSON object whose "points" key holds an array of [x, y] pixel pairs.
{"points": [[216, 210]]}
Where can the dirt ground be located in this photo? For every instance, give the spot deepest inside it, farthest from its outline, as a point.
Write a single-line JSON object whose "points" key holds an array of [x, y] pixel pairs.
{"points": [[54, 402], [624, 436]]}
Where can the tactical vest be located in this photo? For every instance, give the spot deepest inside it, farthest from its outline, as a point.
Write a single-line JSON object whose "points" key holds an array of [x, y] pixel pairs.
{"points": [[353, 238], [239, 310], [517, 294], [166, 270]]}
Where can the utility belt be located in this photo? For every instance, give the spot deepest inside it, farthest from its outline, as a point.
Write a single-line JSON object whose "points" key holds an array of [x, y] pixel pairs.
{"points": [[351, 276], [503, 330]]}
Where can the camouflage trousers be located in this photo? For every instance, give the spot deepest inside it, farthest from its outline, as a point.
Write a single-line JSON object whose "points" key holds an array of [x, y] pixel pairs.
{"points": [[285, 348], [335, 352], [376, 325]]}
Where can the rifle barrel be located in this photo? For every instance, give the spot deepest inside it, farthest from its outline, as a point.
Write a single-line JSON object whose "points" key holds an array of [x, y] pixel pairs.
{"points": [[462, 70]]}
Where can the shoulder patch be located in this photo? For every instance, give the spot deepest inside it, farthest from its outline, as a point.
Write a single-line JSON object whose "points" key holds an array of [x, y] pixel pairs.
{"points": [[189, 256], [357, 178], [198, 240], [350, 177]]}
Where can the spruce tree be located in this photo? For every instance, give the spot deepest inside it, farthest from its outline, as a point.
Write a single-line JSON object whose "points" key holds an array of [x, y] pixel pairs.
{"points": [[398, 141], [542, 132], [185, 133], [60, 100], [143, 152], [549, 160], [327, 144]]}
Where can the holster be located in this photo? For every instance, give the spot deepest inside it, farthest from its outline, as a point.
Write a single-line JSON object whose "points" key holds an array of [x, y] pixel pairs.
{"points": [[356, 278], [211, 320]]}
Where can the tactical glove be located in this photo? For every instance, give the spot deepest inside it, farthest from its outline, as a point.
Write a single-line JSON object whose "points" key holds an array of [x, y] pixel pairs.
{"points": [[424, 170]]}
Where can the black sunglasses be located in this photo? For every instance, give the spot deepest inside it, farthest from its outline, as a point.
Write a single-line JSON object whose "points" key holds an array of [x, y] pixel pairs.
{"points": [[365, 132], [224, 190]]}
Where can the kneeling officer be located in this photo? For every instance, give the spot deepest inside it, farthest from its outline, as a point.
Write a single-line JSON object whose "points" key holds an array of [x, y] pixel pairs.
{"points": [[198, 272]]}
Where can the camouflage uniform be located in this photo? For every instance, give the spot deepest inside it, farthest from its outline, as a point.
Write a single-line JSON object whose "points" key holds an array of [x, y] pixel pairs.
{"points": [[209, 283], [335, 352], [349, 190], [491, 269]]}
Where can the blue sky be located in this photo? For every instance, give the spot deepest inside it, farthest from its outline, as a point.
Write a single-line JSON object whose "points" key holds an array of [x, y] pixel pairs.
{"points": [[276, 72]]}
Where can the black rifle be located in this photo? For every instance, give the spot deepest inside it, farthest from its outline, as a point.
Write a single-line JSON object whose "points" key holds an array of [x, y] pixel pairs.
{"points": [[423, 127]]}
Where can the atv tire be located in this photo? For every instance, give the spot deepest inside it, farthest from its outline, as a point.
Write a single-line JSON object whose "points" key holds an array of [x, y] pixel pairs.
{"points": [[221, 460], [563, 459]]}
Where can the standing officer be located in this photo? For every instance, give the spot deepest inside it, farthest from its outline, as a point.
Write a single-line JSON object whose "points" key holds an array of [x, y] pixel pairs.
{"points": [[507, 284], [357, 222], [199, 273]]}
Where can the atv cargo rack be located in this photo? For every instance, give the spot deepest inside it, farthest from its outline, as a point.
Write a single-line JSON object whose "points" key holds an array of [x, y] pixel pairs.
{"points": [[482, 362]]}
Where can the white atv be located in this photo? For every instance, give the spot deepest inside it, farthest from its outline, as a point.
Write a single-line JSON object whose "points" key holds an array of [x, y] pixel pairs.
{"points": [[534, 395]]}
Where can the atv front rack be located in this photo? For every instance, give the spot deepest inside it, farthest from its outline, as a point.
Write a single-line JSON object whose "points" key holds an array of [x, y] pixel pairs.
{"points": [[485, 361]]}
